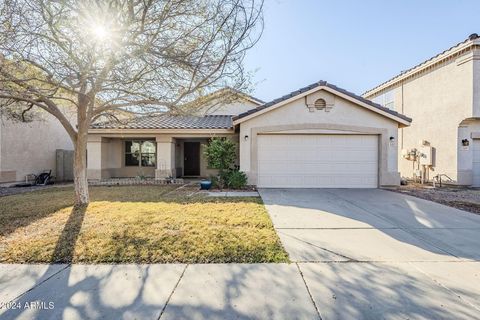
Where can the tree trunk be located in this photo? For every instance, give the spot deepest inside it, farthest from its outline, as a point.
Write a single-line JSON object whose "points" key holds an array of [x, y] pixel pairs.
{"points": [[80, 163], [80, 172]]}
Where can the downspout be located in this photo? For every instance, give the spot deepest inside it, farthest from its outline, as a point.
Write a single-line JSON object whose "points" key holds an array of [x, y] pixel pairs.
{"points": [[403, 112]]}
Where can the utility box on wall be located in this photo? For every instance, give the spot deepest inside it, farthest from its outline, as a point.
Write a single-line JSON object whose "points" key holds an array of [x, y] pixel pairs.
{"points": [[426, 156]]}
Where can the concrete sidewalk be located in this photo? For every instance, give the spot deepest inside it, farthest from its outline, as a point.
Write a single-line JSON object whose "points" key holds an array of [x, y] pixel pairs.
{"points": [[168, 291], [241, 291]]}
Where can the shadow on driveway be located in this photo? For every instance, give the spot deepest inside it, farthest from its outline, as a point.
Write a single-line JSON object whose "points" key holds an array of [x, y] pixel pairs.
{"points": [[370, 225]]}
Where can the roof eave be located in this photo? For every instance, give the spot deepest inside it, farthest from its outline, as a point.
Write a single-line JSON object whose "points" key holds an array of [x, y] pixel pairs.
{"points": [[449, 53], [254, 100], [160, 131]]}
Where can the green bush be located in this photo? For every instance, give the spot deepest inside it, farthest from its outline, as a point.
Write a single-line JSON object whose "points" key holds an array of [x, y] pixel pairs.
{"points": [[236, 179], [215, 181], [221, 154], [232, 179]]}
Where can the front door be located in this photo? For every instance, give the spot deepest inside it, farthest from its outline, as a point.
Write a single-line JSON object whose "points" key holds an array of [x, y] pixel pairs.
{"points": [[191, 158]]}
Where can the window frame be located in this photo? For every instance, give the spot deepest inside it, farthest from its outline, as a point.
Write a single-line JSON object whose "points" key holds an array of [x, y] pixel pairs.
{"points": [[140, 154], [386, 99]]}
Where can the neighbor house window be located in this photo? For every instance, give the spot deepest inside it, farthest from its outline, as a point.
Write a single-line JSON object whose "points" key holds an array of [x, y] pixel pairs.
{"points": [[140, 153], [389, 100], [386, 99]]}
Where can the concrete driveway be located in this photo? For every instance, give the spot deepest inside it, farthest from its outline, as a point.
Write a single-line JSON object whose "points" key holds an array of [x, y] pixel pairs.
{"points": [[370, 253]]}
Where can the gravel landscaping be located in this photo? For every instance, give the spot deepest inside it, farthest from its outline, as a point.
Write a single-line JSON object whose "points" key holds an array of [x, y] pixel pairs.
{"points": [[8, 191], [467, 199]]}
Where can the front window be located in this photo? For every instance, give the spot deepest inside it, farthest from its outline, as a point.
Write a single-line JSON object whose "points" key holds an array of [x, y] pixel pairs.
{"points": [[140, 153]]}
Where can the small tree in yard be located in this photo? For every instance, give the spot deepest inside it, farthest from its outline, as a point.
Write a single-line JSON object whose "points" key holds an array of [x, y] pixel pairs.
{"points": [[221, 154], [91, 58]]}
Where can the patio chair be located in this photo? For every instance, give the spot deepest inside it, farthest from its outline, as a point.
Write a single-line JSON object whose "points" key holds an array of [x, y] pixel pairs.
{"points": [[44, 178]]}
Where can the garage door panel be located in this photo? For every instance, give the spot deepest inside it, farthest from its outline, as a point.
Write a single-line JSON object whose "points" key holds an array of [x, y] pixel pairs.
{"points": [[310, 161], [476, 163], [295, 154], [319, 168], [287, 181]]}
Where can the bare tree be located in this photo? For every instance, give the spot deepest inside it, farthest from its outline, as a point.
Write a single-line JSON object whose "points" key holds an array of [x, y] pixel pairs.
{"points": [[93, 57]]}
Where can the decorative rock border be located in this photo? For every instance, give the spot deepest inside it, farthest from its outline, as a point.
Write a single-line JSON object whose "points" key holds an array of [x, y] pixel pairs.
{"points": [[232, 194], [133, 181]]}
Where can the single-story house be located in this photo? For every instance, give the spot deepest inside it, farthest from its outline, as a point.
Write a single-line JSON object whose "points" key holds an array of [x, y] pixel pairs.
{"points": [[320, 136]]}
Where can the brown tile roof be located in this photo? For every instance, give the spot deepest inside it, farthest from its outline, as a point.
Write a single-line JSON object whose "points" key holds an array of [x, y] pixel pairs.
{"points": [[319, 84], [170, 122], [240, 93]]}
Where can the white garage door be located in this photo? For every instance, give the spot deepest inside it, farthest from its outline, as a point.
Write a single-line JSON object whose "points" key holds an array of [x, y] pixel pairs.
{"points": [[476, 162], [317, 161]]}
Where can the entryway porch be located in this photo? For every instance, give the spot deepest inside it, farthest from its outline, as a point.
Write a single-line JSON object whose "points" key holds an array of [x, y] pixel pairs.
{"points": [[147, 157]]}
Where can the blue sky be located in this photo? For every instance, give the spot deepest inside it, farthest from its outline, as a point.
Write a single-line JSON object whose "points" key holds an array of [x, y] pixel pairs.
{"points": [[353, 44]]}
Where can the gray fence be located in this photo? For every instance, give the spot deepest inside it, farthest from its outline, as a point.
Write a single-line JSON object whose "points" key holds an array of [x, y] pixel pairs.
{"points": [[64, 165]]}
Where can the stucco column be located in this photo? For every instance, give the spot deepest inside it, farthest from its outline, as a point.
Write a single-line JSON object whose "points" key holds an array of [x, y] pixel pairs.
{"points": [[165, 157], [94, 157]]}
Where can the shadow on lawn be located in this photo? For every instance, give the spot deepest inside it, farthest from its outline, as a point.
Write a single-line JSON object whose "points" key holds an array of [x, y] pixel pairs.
{"points": [[20, 210], [106, 291], [91, 292], [65, 247]]}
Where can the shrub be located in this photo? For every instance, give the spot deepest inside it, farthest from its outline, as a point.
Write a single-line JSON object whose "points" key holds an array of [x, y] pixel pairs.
{"points": [[221, 154], [215, 181], [236, 179]]}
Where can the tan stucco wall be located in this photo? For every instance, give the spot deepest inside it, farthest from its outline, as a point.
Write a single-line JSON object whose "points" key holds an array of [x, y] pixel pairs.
{"points": [[205, 171], [476, 82], [106, 155], [437, 101], [344, 116], [112, 164], [30, 147]]}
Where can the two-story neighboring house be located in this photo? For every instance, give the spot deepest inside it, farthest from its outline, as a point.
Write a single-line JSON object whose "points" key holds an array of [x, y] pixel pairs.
{"points": [[30, 147], [442, 96]]}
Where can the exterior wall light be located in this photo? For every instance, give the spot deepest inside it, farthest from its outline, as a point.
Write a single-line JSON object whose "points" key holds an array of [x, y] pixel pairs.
{"points": [[245, 138], [465, 142], [392, 139]]}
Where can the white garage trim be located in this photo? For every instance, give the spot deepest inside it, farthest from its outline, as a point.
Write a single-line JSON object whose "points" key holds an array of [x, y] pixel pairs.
{"points": [[317, 161], [383, 144]]}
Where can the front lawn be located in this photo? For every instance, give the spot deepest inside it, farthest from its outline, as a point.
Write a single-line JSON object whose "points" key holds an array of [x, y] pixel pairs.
{"points": [[137, 224]]}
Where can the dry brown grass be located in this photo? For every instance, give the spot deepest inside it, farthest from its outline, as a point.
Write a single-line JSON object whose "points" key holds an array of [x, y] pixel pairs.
{"points": [[140, 224]]}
